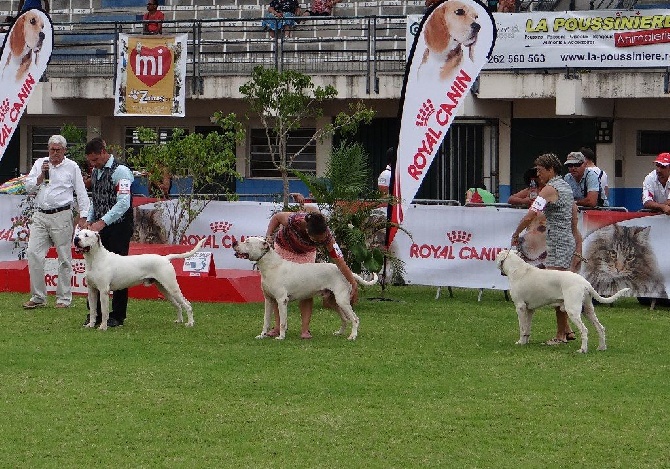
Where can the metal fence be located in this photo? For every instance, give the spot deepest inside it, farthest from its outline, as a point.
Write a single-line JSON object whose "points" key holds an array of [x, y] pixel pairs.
{"points": [[353, 45]]}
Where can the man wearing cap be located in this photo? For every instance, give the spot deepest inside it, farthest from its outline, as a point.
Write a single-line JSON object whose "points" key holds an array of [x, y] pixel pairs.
{"points": [[656, 187], [584, 184]]}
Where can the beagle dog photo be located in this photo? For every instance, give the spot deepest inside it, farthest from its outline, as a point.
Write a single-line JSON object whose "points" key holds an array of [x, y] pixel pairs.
{"points": [[448, 31], [25, 42]]}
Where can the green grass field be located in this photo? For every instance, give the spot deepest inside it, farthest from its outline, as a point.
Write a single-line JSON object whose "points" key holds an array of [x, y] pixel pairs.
{"points": [[428, 383]]}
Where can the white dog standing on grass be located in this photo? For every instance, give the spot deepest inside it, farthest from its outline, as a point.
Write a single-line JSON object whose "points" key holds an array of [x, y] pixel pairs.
{"points": [[283, 281], [107, 272], [532, 288]]}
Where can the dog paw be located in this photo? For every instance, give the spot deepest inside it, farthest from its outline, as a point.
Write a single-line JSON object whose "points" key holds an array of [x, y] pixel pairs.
{"points": [[279, 337], [351, 337], [262, 335], [602, 347], [102, 328], [582, 350]]}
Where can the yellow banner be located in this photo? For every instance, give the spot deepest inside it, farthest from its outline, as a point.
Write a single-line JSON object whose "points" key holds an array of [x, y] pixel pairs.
{"points": [[150, 76]]}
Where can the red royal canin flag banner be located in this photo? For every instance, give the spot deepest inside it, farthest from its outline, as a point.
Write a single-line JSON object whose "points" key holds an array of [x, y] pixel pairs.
{"points": [[25, 54], [453, 43]]}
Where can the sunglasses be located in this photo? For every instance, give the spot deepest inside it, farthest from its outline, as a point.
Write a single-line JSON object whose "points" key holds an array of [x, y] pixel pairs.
{"points": [[573, 165], [661, 165]]}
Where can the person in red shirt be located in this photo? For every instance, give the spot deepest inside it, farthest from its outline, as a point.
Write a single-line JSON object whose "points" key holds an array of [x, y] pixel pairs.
{"points": [[153, 18]]}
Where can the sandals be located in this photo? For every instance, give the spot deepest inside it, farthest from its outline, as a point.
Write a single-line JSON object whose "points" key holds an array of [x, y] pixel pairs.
{"points": [[570, 336], [306, 335], [272, 333], [555, 341]]}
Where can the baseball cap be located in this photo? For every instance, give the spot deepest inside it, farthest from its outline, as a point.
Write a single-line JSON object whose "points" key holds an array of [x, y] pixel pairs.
{"points": [[576, 157], [663, 158]]}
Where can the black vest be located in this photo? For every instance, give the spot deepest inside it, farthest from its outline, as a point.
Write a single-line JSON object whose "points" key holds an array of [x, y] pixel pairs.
{"points": [[104, 195]]}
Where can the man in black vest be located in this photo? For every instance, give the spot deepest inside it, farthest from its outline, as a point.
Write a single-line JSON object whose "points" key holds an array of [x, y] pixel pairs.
{"points": [[111, 214]]}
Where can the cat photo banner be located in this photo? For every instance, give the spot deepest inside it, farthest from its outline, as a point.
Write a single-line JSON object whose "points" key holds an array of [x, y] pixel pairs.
{"points": [[451, 45], [26, 51], [150, 76]]}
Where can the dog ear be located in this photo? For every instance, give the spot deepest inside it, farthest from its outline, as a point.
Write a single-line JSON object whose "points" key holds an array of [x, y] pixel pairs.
{"points": [[471, 51], [97, 236], [17, 40], [437, 32]]}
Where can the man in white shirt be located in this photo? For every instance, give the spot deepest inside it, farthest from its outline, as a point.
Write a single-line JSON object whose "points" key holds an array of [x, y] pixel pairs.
{"points": [[384, 179], [656, 187], [55, 179]]}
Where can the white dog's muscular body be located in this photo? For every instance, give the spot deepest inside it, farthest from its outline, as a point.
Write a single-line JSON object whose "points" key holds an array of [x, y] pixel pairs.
{"points": [[532, 288], [283, 281], [107, 271]]}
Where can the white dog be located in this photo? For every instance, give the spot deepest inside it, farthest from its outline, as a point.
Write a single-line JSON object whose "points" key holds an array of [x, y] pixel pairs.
{"points": [[283, 281], [531, 288], [107, 271]]}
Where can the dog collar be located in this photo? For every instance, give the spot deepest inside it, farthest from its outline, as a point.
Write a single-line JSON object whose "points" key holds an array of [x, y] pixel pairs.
{"points": [[266, 251]]}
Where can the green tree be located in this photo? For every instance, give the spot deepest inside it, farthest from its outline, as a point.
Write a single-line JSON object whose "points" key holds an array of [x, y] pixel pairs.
{"points": [[283, 101], [207, 161], [356, 211]]}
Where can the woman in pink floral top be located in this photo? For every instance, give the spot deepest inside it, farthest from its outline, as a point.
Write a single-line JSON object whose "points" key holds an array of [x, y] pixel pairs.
{"points": [[321, 7]]}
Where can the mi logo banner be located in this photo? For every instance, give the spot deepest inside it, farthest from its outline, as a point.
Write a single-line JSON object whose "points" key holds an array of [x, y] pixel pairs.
{"points": [[150, 76]]}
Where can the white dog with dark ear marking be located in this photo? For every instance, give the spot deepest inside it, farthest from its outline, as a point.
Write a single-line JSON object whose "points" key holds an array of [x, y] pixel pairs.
{"points": [[532, 288], [107, 271], [283, 281], [25, 42], [450, 29]]}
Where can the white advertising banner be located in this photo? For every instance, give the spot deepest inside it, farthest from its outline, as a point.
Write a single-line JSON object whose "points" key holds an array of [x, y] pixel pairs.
{"points": [[582, 39], [576, 39], [456, 246], [449, 246]]}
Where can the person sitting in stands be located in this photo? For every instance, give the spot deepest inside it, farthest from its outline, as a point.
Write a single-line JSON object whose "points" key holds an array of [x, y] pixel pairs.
{"points": [[526, 196], [321, 8], [9, 21], [656, 186], [280, 17], [25, 5], [153, 18]]}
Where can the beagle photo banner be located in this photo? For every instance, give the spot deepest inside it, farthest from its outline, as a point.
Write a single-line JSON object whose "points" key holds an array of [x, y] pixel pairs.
{"points": [[451, 45], [26, 51], [150, 76]]}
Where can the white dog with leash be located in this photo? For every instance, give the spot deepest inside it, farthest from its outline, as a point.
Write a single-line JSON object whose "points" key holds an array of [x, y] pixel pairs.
{"points": [[283, 281], [532, 288], [107, 271]]}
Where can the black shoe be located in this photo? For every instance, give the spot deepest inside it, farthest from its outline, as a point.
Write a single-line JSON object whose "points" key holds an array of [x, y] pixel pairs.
{"points": [[88, 318], [113, 322]]}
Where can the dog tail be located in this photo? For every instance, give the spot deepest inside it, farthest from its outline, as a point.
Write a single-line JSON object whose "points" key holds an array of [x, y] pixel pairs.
{"points": [[609, 299], [184, 255], [362, 281]]}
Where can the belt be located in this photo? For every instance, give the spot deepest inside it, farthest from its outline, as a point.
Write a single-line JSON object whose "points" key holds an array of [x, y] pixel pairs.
{"points": [[55, 210]]}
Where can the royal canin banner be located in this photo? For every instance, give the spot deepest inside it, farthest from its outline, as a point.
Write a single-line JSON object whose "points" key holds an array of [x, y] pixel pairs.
{"points": [[150, 76], [451, 45], [450, 246], [26, 51]]}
